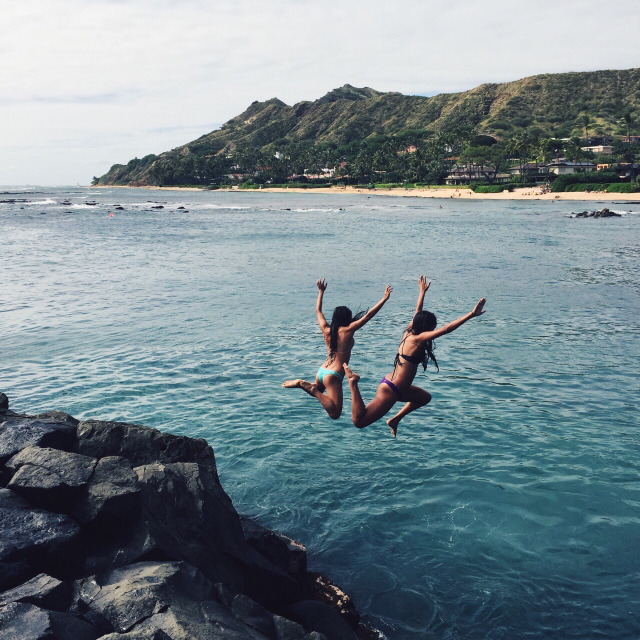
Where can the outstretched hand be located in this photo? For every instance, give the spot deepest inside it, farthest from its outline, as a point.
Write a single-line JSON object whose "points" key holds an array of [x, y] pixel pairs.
{"points": [[478, 310], [387, 292], [424, 285], [321, 284]]}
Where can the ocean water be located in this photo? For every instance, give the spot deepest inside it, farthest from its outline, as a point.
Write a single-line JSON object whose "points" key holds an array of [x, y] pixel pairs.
{"points": [[508, 508]]}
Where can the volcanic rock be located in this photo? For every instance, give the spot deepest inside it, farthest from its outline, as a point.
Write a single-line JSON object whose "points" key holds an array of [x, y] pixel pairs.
{"points": [[119, 531]]}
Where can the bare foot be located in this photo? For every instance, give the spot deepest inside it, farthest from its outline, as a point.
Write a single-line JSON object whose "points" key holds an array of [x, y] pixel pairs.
{"points": [[352, 376], [393, 425], [311, 389]]}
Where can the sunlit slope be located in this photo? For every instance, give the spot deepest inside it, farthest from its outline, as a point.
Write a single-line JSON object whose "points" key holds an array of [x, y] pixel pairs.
{"points": [[554, 103]]}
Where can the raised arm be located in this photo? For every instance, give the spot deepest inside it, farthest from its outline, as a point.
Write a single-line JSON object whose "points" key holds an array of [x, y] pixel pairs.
{"points": [[478, 310], [322, 321], [358, 324], [424, 287]]}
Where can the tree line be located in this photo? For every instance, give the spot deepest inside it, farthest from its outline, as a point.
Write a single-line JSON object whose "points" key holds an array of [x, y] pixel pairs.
{"points": [[411, 156]]}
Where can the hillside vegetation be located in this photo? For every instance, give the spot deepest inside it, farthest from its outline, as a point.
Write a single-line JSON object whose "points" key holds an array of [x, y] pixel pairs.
{"points": [[347, 122]]}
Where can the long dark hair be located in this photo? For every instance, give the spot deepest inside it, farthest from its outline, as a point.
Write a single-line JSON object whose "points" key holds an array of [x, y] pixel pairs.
{"points": [[342, 317], [423, 321]]}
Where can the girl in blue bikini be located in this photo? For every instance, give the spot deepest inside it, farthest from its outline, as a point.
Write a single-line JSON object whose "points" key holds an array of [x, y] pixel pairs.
{"points": [[338, 336], [416, 348]]}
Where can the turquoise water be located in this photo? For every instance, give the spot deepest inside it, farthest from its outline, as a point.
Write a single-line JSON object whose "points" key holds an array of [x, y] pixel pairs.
{"points": [[508, 508]]}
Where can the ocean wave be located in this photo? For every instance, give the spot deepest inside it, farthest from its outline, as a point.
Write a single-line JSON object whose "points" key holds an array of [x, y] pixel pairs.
{"points": [[39, 202], [218, 206], [312, 210]]}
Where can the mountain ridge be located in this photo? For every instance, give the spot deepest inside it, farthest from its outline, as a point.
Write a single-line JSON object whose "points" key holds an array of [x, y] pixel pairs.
{"points": [[554, 104]]}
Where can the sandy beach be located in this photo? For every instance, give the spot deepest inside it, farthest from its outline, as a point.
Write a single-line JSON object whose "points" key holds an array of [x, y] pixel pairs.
{"points": [[530, 193]]}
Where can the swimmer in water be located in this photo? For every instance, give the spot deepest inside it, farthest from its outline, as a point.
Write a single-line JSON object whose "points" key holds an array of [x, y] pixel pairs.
{"points": [[416, 348], [338, 338]]}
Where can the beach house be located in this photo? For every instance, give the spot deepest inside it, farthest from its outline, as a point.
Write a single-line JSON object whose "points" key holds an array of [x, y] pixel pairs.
{"points": [[466, 173], [605, 149], [566, 168]]}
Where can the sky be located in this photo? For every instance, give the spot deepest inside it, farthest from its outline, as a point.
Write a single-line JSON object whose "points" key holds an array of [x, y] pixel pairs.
{"points": [[85, 84]]}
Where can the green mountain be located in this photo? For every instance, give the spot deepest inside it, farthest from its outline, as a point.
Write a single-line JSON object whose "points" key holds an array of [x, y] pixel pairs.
{"points": [[348, 117]]}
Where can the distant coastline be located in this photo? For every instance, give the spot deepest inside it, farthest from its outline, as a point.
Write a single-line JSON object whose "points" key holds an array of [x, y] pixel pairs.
{"points": [[532, 193]]}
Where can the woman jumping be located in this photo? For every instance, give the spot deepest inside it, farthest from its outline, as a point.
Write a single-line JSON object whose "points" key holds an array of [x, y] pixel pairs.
{"points": [[416, 348], [338, 336]]}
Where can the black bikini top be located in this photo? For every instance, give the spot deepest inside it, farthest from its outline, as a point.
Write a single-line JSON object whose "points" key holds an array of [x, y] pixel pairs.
{"points": [[415, 359]]}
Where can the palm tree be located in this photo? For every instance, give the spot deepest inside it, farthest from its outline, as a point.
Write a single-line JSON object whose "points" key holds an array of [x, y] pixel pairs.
{"points": [[522, 143], [573, 149], [628, 119], [585, 124], [543, 155]]}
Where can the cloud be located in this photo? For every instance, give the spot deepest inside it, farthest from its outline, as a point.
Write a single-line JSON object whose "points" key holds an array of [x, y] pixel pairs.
{"points": [[104, 98]]}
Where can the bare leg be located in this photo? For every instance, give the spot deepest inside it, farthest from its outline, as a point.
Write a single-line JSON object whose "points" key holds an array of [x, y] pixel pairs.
{"points": [[333, 389], [357, 403], [417, 398], [312, 389], [362, 416]]}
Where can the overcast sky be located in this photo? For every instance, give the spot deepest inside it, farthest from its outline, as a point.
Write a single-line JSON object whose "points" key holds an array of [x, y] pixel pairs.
{"points": [[88, 83]]}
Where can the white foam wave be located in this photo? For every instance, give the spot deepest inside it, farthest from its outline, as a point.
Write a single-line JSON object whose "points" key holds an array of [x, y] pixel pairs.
{"points": [[217, 206], [315, 210], [39, 202]]}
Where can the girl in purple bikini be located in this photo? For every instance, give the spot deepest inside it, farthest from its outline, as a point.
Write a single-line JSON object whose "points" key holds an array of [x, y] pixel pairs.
{"points": [[416, 348]]}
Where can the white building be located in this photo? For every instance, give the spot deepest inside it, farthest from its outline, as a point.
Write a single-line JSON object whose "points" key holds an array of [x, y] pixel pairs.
{"points": [[607, 149], [566, 168]]}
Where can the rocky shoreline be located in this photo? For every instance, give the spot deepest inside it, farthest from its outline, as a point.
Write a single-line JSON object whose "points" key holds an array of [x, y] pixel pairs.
{"points": [[118, 531], [602, 213]]}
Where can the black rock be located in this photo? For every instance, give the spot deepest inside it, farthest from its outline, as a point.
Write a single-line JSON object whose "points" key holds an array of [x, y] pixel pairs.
{"points": [[254, 615], [141, 445], [325, 591], [4, 403], [160, 552], [18, 433], [112, 492], [606, 213], [158, 206], [318, 616], [13, 573], [33, 539], [119, 208], [43, 591], [187, 620], [21, 621], [187, 514], [58, 416], [180, 207], [269, 585], [129, 595], [285, 553], [603, 213], [50, 478], [287, 629]]}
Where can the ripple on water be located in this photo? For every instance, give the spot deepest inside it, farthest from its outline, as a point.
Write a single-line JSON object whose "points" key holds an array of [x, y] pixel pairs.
{"points": [[506, 509]]}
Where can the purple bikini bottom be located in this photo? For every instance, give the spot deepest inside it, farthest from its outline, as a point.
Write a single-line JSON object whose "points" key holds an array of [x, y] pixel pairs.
{"points": [[393, 386]]}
